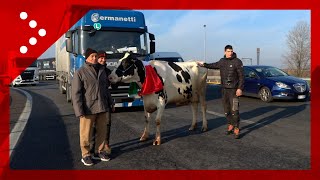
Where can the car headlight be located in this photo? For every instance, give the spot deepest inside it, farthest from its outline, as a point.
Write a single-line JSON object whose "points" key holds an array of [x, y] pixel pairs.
{"points": [[282, 85]]}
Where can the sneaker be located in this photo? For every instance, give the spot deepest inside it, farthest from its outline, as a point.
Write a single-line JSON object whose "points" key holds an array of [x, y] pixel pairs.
{"points": [[236, 133], [87, 161], [230, 130], [103, 156]]}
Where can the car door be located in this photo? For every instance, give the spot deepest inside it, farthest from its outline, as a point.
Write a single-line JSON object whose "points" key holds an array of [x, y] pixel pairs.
{"points": [[251, 82]]}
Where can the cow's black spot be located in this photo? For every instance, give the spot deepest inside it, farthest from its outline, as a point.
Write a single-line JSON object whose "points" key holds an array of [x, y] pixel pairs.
{"points": [[175, 66], [141, 70], [188, 91], [179, 78], [162, 94], [186, 76], [179, 91]]}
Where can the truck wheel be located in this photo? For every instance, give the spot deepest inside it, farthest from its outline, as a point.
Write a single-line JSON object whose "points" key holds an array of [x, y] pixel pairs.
{"points": [[62, 91], [68, 93]]}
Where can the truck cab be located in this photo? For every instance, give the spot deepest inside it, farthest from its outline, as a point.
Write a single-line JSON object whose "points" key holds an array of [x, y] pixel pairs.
{"points": [[112, 31]]}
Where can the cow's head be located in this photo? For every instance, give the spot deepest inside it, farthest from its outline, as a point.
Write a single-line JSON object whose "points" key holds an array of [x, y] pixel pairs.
{"points": [[130, 69]]}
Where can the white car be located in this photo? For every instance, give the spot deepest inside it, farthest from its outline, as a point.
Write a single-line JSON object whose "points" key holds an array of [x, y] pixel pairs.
{"points": [[166, 56]]}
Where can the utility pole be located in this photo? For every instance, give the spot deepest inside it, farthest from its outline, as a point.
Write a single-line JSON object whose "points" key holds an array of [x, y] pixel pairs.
{"points": [[258, 56], [205, 53]]}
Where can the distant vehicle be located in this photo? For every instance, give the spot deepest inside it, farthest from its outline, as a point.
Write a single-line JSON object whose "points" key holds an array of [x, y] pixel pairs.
{"points": [[166, 56], [268, 83], [47, 68], [28, 77]]}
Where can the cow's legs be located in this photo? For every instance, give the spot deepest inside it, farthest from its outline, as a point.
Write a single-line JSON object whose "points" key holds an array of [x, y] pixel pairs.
{"points": [[194, 107], [161, 106], [145, 134], [204, 110]]}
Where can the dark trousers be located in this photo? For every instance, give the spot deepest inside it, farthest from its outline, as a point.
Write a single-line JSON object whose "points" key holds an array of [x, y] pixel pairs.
{"points": [[230, 103]]}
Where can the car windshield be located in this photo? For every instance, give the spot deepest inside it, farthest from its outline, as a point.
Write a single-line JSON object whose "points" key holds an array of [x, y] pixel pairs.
{"points": [[271, 72]]}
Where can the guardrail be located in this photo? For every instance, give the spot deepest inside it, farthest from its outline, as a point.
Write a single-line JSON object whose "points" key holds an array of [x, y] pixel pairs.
{"points": [[213, 80], [216, 79]]}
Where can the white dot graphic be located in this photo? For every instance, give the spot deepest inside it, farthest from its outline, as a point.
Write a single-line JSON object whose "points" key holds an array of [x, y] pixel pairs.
{"points": [[33, 24], [23, 49], [33, 41], [42, 32], [23, 15]]}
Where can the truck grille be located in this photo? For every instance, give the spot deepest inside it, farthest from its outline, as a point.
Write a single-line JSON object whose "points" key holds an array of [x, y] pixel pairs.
{"points": [[27, 75], [122, 93], [300, 87]]}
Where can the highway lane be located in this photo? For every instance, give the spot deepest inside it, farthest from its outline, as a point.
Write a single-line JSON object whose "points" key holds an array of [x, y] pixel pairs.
{"points": [[273, 136]]}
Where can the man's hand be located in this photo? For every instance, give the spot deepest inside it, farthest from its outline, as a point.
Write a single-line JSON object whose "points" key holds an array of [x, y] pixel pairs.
{"points": [[239, 92], [200, 63]]}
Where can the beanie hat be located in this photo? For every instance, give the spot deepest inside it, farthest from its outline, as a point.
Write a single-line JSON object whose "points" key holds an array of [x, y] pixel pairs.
{"points": [[102, 54], [88, 52]]}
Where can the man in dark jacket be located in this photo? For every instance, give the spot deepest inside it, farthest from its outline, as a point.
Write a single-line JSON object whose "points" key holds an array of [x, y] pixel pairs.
{"points": [[91, 104], [232, 81]]}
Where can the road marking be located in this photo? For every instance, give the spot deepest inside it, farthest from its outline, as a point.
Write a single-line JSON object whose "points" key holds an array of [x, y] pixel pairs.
{"points": [[22, 121], [244, 121]]}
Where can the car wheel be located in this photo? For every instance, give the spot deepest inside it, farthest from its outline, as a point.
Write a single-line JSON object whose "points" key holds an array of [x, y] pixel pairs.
{"points": [[265, 94]]}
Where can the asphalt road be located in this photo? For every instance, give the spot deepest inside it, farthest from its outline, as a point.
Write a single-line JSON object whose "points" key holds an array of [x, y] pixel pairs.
{"points": [[273, 136]]}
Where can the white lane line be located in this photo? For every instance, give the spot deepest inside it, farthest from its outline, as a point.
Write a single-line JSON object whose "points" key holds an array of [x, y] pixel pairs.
{"points": [[244, 121], [22, 121]]}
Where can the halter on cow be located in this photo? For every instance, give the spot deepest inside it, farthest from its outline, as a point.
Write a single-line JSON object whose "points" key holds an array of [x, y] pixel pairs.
{"points": [[183, 82]]}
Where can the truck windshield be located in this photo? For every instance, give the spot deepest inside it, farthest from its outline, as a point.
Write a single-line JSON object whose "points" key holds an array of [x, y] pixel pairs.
{"points": [[113, 42]]}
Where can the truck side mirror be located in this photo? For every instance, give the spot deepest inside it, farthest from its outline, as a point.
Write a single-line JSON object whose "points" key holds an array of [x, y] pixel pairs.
{"points": [[69, 45], [69, 40], [68, 34], [152, 47], [151, 37], [152, 43]]}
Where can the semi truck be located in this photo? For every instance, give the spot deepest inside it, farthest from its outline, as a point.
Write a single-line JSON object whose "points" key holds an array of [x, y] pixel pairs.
{"points": [[47, 68], [113, 31], [29, 76]]}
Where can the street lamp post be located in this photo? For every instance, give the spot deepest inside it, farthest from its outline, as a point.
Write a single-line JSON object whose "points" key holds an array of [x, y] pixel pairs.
{"points": [[204, 26]]}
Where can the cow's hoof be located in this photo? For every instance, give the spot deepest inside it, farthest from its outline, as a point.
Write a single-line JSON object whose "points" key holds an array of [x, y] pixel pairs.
{"points": [[143, 138], [192, 128], [204, 129], [156, 142]]}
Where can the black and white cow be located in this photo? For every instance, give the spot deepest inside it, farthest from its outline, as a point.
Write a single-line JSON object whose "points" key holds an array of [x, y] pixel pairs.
{"points": [[183, 82]]}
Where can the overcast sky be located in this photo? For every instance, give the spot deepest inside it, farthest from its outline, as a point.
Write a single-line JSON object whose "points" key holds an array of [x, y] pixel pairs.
{"points": [[246, 30]]}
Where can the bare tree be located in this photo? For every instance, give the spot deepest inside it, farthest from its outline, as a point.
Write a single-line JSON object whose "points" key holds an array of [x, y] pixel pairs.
{"points": [[297, 58]]}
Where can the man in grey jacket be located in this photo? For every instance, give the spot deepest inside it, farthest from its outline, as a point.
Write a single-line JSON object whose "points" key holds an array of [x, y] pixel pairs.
{"points": [[91, 103]]}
